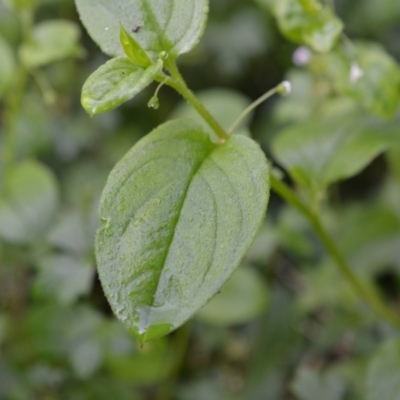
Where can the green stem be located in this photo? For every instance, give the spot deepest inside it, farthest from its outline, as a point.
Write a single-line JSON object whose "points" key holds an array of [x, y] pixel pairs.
{"points": [[281, 88], [369, 296], [178, 83]]}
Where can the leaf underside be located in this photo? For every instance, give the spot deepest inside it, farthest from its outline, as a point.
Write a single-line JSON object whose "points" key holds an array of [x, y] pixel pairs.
{"points": [[116, 82], [174, 26], [320, 152], [178, 214]]}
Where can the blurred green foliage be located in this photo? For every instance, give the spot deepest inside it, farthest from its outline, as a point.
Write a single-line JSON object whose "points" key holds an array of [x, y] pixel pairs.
{"points": [[290, 327]]}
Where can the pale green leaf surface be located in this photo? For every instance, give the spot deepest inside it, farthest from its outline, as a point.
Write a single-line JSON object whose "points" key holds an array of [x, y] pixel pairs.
{"points": [[28, 202], [319, 28], [320, 152], [178, 214], [51, 41], [174, 26], [115, 82], [382, 381], [242, 298], [7, 65]]}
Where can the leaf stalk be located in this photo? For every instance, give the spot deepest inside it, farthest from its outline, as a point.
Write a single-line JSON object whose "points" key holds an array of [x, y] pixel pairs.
{"points": [[178, 83], [283, 88]]}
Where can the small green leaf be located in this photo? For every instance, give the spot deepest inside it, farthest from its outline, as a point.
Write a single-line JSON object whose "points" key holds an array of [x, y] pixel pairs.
{"points": [[174, 26], [370, 76], [51, 41], [133, 50], [178, 214], [309, 23], [7, 66], [325, 150], [383, 381], [27, 203], [242, 298], [116, 82]]}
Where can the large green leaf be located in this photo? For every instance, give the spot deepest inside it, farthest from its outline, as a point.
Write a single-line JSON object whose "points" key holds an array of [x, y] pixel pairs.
{"points": [[115, 82], [178, 214], [27, 203], [51, 41], [320, 152], [308, 22], [383, 381], [174, 26]]}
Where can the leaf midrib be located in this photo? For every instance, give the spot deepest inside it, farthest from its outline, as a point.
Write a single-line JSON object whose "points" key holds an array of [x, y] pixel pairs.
{"points": [[181, 205]]}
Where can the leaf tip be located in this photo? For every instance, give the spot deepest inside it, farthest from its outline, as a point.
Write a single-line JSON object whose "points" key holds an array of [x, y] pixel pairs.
{"points": [[89, 105]]}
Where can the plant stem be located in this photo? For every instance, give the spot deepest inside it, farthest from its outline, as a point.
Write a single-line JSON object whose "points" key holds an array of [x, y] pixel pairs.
{"points": [[369, 296], [178, 83], [281, 88]]}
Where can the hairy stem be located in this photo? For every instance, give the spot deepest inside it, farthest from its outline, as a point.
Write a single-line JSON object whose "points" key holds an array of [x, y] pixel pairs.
{"points": [[369, 296], [178, 83]]}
